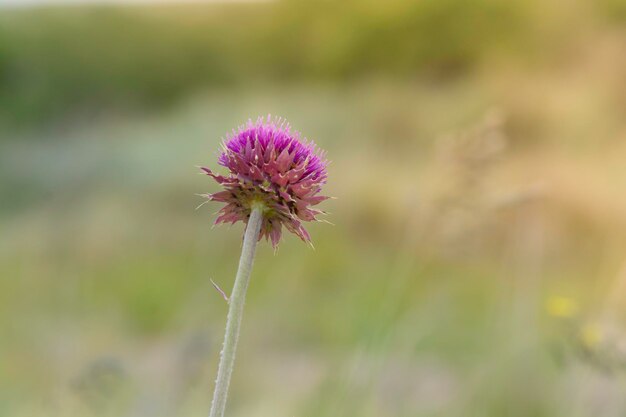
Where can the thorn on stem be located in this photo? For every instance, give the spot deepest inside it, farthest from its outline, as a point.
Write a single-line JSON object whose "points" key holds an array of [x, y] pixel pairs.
{"points": [[220, 291]]}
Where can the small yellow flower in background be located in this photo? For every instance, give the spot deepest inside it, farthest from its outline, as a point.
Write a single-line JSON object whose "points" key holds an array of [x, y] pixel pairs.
{"points": [[591, 335], [562, 307]]}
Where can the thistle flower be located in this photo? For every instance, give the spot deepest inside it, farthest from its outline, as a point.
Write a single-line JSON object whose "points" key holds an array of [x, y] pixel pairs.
{"points": [[274, 181], [272, 167]]}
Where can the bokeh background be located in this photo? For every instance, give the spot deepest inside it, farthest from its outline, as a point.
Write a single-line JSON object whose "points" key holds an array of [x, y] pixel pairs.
{"points": [[476, 266]]}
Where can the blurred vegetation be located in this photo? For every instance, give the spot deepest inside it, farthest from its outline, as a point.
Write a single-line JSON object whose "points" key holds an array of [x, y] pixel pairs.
{"points": [[56, 63], [476, 267]]}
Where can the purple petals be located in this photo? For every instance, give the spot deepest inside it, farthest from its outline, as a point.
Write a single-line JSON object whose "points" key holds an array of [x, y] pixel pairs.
{"points": [[270, 164]]}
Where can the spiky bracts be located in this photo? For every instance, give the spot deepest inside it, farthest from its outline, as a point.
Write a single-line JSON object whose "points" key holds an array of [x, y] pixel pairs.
{"points": [[270, 166]]}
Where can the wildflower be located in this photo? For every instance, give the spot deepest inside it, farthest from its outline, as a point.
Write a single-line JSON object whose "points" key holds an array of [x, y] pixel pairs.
{"points": [[270, 166], [562, 307], [274, 181], [591, 335]]}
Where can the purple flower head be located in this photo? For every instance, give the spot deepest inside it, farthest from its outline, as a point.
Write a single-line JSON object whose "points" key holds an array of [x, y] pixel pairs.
{"points": [[272, 167]]}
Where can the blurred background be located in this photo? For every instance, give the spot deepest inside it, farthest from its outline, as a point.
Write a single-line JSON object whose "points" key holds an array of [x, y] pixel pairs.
{"points": [[477, 263]]}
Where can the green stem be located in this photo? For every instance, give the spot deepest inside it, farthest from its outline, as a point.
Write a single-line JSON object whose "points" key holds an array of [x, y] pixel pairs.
{"points": [[235, 312]]}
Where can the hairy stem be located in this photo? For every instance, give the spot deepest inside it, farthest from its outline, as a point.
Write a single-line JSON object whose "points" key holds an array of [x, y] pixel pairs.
{"points": [[235, 312]]}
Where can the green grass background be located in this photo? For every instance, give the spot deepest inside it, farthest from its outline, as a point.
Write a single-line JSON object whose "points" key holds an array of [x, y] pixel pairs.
{"points": [[478, 163]]}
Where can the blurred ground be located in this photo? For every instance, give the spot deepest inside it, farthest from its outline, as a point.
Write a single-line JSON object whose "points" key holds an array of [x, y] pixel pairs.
{"points": [[476, 265]]}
